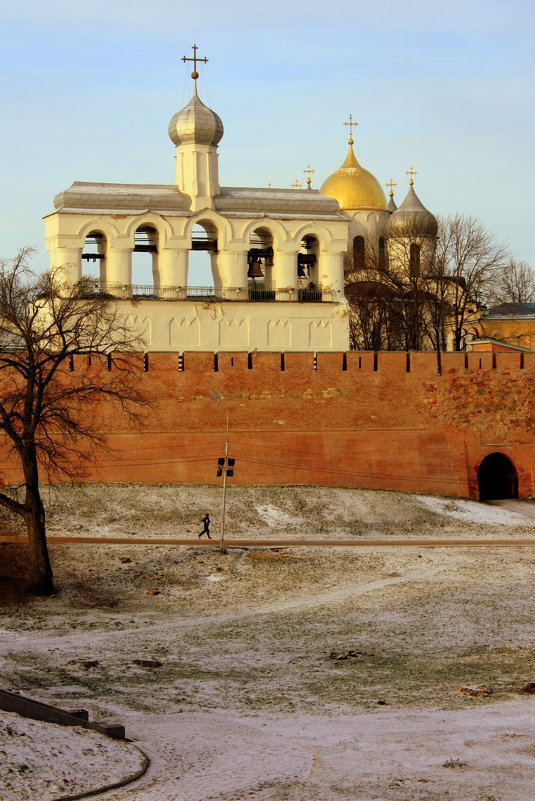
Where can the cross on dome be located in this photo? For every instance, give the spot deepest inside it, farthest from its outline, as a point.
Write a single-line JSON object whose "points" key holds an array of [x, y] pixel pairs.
{"points": [[351, 124], [390, 184], [195, 59], [308, 172], [411, 171]]}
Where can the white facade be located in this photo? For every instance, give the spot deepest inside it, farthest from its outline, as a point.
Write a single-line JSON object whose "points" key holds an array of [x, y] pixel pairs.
{"points": [[276, 255]]}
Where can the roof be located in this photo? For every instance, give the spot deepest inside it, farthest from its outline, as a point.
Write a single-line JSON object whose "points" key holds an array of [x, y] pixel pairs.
{"points": [[510, 311], [104, 198]]}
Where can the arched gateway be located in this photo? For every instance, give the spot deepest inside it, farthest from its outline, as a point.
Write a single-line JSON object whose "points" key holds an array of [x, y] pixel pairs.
{"points": [[497, 478]]}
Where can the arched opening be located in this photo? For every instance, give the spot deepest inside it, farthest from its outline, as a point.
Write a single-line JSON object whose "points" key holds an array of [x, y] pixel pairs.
{"points": [[203, 269], [94, 256], [145, 260], [497, 478], [307, 262], [414, 260], [307, 269], [359, 253], [260, 265]]}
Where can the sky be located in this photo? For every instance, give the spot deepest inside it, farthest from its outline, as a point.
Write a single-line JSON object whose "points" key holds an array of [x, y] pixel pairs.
{"points": [[88, 89]]}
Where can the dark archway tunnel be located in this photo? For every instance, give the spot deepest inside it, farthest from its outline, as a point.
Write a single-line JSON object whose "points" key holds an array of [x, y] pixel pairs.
{"points": [[497, 478]]}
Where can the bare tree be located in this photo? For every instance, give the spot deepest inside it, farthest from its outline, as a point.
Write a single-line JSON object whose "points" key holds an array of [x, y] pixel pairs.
{"points": [[389, 298], [430, 287], [515, 284], [44, 405], [467, 266]]}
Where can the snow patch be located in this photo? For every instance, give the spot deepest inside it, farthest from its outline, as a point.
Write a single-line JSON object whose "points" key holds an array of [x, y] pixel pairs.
{"points": [[44, 760], [471, 511], [273, 516]]}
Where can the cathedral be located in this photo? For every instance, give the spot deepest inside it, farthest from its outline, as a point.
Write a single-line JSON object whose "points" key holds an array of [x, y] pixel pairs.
{"points": [[279, 257]]}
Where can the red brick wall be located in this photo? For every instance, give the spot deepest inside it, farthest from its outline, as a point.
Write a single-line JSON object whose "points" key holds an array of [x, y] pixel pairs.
{"points": [[384, 421]]}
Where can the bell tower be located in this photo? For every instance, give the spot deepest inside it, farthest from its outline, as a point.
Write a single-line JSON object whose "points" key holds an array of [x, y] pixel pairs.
{"points": [[196, 131]]}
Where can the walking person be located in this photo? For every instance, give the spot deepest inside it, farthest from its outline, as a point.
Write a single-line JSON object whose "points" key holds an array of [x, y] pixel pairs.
{"points": [[206, 523]]}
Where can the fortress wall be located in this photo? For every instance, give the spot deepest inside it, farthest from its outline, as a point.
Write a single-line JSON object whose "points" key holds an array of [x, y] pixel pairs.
{"points": [[383, 421]]}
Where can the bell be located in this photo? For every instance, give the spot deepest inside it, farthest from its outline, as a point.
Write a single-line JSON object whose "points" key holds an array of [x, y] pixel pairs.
{"points": [[255, 269]]}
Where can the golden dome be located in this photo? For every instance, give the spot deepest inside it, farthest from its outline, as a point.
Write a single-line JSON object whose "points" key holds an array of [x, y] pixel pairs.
{"points": [[353, 186]]}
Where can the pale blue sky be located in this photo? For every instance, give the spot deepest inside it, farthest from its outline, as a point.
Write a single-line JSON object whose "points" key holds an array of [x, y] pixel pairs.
{"points": [[88, 89]]}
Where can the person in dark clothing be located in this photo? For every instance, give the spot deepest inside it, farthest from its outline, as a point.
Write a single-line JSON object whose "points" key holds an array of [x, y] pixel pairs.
{"points": [[206, 522]]}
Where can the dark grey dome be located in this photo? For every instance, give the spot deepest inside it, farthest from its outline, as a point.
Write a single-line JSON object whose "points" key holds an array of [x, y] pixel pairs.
{"points": [[412, 218]]}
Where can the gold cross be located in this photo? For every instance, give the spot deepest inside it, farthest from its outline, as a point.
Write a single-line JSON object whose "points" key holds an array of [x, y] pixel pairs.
{"points": [[296, 184], [390, 185], [411, 171], [194, 74], [351, 125], [308, 172]]}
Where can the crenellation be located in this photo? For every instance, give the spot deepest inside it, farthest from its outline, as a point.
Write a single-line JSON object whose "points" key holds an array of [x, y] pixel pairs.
{"points": [[392, 364], [422, 367], [360, 362], [481, 360], [508, 361], [330, 363]]}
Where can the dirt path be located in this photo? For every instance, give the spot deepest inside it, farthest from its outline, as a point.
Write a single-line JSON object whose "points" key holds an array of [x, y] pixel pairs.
{"points": [[417, 542]]}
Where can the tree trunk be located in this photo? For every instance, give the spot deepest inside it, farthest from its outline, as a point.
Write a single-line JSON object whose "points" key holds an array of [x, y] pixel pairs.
{"points": [[40, 570]]}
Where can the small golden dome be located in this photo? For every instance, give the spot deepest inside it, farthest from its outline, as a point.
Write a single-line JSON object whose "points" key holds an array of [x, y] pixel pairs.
{"points": [[353, 186]]}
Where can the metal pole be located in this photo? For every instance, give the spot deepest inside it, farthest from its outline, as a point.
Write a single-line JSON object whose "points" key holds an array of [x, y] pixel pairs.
{"points": [[222, 546]]}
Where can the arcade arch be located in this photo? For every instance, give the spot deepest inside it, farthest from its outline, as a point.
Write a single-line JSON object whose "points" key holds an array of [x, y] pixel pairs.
{"points": [[260, 260], [308, 263], [94, 255], [203, 264], [145, 270], [497, 478]]}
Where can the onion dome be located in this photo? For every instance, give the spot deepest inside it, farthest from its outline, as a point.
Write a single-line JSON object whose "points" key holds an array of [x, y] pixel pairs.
{"points": [[392, 204], [353, 186], [412, 218], [196, 124]]}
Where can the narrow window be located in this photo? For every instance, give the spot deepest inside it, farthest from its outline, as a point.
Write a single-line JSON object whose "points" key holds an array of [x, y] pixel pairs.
{"points": [[414, 260], [180, 362], [359, 254], [381, 254], [216, 362], [146, 363]]}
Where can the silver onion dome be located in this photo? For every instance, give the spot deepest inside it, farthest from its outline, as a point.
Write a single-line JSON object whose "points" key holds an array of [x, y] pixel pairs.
{"points": [[412, 218], [196, 124]]}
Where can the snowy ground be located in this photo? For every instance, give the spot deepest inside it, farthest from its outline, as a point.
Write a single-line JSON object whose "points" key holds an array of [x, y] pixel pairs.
{"points": [[248, 701]]}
